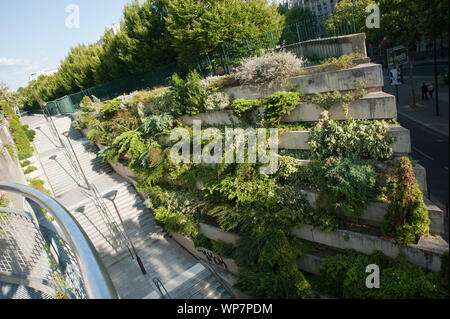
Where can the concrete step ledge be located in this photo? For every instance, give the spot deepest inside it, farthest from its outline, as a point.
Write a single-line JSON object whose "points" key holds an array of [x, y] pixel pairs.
{"points": [[297, 140], [374, 213], [426, 253], [428, 257], [370, 74], [374, 106]]}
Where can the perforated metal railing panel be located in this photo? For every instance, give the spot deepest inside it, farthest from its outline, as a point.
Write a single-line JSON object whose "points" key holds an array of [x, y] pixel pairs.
{"points": [[36, 255]]}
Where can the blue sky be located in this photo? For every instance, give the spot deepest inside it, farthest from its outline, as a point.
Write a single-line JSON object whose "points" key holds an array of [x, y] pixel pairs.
{"points": [[34, 36]]}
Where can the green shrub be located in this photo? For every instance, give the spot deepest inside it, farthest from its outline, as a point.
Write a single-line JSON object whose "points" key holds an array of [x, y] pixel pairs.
{"points": [[268, 267], [223, 249], [162, 103], [130, 142], [279, 105], [3, 201], [156, 124], [407, 217], [30, 169], [347, 184], [344, 275], [328, 99], [145, 96], [86, 103], [30, 133], [340, 63], [96, 136], [109, 108], [11, 150], [25, 163], [350, 138], [188, 97], [38, 184], [244, 108], [333, 270], [24, 148]]}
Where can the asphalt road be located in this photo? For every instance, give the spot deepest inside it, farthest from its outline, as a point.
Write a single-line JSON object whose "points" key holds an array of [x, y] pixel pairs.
{"points": [[431, 150], [426, 68]]}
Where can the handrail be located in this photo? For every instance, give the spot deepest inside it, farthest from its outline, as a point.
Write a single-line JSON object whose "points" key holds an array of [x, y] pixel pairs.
{"points": [[158, 283], [218, 277], [97, 282]]}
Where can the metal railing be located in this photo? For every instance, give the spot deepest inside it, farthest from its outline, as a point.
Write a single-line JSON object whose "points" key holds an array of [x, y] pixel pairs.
{"points": [[56, 256], [161, 289]]}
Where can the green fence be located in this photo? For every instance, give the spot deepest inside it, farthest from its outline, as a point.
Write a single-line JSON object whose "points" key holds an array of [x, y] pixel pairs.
{"points": [[220, 61]]}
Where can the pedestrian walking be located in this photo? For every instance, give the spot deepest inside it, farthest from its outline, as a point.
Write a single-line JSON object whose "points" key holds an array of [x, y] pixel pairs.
{"points": [[424, 91], [431, 90]]}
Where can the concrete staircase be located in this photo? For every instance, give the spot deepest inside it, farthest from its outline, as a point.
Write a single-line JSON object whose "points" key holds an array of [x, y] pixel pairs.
{"points": [[163, 258], [195, 283]]}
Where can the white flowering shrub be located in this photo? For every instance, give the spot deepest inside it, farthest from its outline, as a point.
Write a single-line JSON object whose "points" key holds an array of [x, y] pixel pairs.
{"points": [[217, 101], [271, 67]]}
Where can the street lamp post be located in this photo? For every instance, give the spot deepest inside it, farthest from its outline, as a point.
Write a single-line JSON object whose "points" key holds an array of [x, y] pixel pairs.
{"points": [[66, 134], [112, 196]]}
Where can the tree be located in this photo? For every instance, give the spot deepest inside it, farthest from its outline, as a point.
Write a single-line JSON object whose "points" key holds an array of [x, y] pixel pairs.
{"points": [[399, 24], [77, 70], [142, 44], [346, 13], [200, 26], [433, 24], [297, 17]]}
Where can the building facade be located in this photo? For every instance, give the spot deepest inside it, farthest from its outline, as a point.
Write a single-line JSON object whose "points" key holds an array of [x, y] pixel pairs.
{"points": [[32, 76], [321, 8]]}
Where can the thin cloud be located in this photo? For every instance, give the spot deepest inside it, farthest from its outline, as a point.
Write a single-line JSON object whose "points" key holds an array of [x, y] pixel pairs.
{"points": [[13, 62]]}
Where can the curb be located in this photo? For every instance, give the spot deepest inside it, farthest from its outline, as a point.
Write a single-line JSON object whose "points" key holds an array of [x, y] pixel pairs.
{"points": [[437, 132]]}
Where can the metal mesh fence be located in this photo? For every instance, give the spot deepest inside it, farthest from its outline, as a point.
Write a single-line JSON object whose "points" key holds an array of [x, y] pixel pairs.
{"points": [[38, 256]]}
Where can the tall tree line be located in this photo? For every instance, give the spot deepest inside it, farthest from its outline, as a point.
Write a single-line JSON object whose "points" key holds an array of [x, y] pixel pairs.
{"points": [[152, 34]]}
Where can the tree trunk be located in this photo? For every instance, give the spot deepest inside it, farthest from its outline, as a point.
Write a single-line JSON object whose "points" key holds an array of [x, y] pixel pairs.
{"points": [[411, 77]]}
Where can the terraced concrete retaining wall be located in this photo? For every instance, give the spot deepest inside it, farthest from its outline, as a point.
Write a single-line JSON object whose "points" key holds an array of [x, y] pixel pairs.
{"points": [[376, 105], [333, 46], [297, 140], [370, 74], [425, 254]]}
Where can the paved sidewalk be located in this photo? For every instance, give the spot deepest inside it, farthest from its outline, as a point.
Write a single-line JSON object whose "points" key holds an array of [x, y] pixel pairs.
{"points": [[425, 113]]}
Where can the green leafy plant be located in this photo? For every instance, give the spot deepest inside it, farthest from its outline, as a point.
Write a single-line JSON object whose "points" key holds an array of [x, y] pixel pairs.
{"points": [[347, 184], [350, 138], [131, 143], [188, 97], [344, 276], [110, 108], [156, 124], [96, 136], [86, 103], [30, 169], [24, 148], [29, 133], [279, 105], [268, 266], [146, 97], [245, 108], [25, 163], [407, 217], [328, 99]]}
